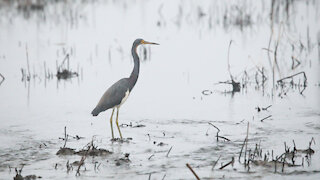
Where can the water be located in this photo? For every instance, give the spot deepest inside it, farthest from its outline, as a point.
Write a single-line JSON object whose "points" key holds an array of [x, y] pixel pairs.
{"points": [[192, 57]]}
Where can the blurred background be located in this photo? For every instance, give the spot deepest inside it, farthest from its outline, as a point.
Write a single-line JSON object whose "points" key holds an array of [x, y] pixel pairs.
{"points": [[218, 61]]}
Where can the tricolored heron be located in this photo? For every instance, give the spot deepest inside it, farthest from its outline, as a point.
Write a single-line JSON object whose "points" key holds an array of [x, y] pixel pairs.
{"points": [[118, 93]]}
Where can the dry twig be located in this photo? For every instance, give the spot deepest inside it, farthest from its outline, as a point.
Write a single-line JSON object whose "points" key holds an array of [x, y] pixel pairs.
{"points": [[265, 118], [231, 162], [29, 75], [194, 173], [215, 163], [150, 157], [65, 136], [218, 133], [3, 78], [169, 151], [244, 143], [289, 77], [83, 158]]}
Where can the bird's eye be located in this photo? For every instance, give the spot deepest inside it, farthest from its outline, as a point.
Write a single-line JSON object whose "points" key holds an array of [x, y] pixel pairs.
{"points": [[142, 41]]}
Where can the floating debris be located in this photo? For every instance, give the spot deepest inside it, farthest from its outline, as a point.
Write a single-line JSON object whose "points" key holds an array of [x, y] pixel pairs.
{"points": [[66, 151], [121, 140], [130, 125], [161, 144], [65, 72], [139, 126], [124, 160], [93, 152], [206, 92], [29, 177], [20, 177], [263, 108]]}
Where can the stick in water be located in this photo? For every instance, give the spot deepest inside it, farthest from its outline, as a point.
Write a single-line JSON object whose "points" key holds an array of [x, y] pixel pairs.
{"points": [[194, 173]]}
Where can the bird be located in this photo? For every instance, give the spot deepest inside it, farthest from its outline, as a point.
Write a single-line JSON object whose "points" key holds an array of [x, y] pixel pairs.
{"points": [[119, 92]]}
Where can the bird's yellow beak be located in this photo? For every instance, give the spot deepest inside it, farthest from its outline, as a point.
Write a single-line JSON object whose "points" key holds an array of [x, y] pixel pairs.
{"points": [[146, 42]]}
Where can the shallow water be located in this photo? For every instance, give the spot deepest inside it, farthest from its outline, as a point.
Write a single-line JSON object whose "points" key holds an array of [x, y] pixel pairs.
{"points": [[168, 98]]}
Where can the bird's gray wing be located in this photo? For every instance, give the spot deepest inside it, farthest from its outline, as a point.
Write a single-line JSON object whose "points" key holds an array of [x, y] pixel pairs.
{"points": [[112, 97]]}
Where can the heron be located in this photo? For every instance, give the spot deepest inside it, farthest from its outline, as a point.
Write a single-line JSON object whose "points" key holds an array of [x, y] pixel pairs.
{"points": [[119, 92]]}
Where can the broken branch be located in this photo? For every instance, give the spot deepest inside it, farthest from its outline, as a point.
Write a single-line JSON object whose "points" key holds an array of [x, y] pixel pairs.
{"points": [[2, 78], [265, 118], [244, 143], [215, 163], [289, 77], [231, 162], [194, 173], [169, 151]]}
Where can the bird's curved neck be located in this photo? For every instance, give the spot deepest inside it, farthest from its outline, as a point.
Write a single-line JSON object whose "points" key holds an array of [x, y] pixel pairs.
{"points": [[135, 72]]}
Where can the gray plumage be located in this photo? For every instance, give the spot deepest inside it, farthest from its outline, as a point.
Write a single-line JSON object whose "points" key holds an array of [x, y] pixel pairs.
{"points": [[112, 97], [115, 94]]}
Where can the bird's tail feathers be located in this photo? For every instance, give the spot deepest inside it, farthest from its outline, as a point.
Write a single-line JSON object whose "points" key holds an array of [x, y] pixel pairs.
{"points": [[95, 112]]}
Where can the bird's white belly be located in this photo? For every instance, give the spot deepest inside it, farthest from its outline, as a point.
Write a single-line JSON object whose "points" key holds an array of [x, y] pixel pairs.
{"points": [[124, 98]]}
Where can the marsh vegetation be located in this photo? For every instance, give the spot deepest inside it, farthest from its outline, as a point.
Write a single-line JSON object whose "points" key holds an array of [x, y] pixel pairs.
{"points": [[231, 92]]}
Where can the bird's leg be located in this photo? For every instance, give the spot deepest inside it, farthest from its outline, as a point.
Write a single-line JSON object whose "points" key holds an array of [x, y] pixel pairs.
{"points": [[111, 123], [118, 123]]}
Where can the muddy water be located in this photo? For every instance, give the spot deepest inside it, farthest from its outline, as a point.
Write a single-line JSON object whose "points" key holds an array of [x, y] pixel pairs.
{"points": [[168, 98]]}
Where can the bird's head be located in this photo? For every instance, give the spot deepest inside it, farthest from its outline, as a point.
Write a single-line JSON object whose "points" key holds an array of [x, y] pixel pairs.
{"points": [[137, 42]]}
